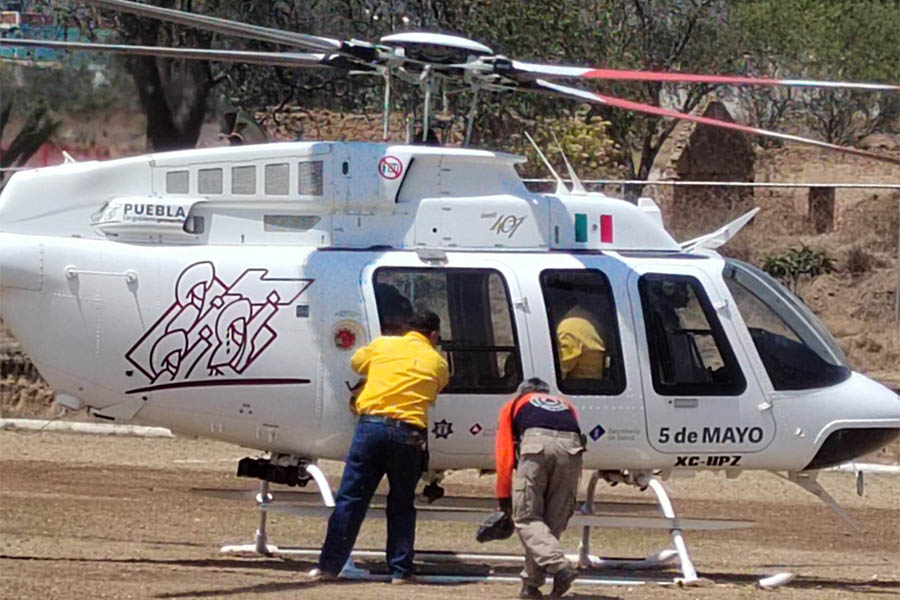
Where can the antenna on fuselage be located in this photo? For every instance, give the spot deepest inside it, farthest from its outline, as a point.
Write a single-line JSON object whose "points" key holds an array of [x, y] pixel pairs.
{"points": [[577, 187], [560, 184], [386, 111]]}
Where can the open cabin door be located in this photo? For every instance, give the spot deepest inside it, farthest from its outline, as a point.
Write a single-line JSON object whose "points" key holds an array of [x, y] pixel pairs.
{"points": [[481, 338], [702, 403]]}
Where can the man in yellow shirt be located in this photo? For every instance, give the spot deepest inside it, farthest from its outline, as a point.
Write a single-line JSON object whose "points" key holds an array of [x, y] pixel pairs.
{"points": [[404, 376], [582, 353]]}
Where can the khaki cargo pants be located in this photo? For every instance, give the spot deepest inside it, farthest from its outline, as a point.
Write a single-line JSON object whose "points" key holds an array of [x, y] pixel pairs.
{"points": [[544, 487]]}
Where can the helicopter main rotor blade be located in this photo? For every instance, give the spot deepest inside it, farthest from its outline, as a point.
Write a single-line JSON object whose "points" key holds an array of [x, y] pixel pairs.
{"points": [[218, 25], [538, 70], [664, 112], [285, 59]]}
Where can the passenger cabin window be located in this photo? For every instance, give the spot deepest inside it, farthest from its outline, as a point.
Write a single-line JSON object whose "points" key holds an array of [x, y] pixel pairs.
{"points": [[285, 223], [278, 179], [477, 337], [795, 348], [177, 182], [585, 334], [310, 178], [243, 180], [209, 181], [689, 352]]}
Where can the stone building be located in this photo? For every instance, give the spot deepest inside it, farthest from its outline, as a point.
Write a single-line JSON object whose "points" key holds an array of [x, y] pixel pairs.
{"points": [[696, 152]]}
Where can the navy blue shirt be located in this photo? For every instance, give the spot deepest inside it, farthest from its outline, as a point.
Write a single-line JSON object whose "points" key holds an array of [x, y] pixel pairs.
{"points": [[547, 412]]}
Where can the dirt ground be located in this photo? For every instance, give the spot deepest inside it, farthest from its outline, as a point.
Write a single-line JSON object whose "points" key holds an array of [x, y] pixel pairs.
{"points": [[97, 517]]}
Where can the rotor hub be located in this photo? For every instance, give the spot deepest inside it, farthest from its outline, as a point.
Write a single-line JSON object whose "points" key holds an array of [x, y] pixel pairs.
{"points": [[436, 48]]}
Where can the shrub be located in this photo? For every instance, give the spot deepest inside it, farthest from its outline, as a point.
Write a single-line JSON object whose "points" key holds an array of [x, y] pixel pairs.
{"points": [[791, 266]]}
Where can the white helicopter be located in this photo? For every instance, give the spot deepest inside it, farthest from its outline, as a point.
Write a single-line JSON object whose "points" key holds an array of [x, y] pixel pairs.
{"points": [[220, 292]]}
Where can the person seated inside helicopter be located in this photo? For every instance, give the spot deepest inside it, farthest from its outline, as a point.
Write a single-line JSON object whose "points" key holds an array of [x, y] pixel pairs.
{"points": [[582, 351], [680, 359], [511, 375]]}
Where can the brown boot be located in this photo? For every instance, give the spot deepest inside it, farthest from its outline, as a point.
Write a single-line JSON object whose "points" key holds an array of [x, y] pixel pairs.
{"points": [[530, 592], [562, 581]]}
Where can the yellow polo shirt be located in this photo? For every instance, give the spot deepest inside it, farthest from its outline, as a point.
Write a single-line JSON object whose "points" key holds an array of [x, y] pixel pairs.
{"points": [[582, 352], [404, 375]]}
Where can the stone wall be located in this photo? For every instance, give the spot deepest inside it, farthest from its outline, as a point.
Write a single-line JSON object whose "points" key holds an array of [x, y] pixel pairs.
{"points": [[703, 153], [22, 390]]}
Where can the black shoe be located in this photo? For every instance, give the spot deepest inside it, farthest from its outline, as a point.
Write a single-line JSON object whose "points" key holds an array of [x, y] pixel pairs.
{"points": [[529, 592], [562, 581]]}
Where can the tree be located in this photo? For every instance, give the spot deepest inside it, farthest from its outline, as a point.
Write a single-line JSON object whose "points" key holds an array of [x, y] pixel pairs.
{"points": [[660, 35], [253, 88], [684, 35], [822, 39], [508, 26], [37, 128], [173, 93], [854, 40], [737, 36], [640, 34]]}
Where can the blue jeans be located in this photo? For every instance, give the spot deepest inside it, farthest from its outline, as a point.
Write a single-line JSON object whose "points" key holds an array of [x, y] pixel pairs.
{"points": [[378, 448]]}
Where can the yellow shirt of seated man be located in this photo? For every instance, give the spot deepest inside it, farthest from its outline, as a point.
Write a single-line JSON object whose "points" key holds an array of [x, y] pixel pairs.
{"points": [[404, 376], [582, 353]]}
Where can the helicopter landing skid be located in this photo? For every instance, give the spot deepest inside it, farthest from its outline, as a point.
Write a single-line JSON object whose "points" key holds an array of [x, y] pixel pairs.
{"points": [[658, 560], [260, 544], [473, 510]]}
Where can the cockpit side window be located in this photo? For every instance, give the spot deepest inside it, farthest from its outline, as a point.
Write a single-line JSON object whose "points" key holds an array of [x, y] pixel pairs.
{"points": [[796, 350], [478, 336], [581, 313], [689, 351]]}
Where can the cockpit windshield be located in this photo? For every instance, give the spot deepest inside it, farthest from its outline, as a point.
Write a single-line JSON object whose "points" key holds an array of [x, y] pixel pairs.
{"points": [[796, 349]]}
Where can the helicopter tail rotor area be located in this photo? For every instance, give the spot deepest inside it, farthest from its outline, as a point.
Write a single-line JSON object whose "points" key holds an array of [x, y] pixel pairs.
{"points": [[431, 60]]}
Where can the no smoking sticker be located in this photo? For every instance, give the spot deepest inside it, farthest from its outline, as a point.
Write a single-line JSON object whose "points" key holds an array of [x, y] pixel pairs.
{"points": [[390, 167]]}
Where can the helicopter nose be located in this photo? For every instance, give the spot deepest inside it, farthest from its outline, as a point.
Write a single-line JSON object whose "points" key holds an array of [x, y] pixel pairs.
{"points": [[875, 423]]}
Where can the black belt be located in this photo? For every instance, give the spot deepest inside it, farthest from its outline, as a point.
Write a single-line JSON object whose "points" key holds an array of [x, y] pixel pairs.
{"points": [[390, 422]]}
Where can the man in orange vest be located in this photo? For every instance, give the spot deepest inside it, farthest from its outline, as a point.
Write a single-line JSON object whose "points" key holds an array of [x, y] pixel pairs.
{"points": [[541, 432]]}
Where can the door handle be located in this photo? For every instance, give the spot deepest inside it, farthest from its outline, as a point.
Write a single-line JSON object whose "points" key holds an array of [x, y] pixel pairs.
{"points": [[686, 403]]}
